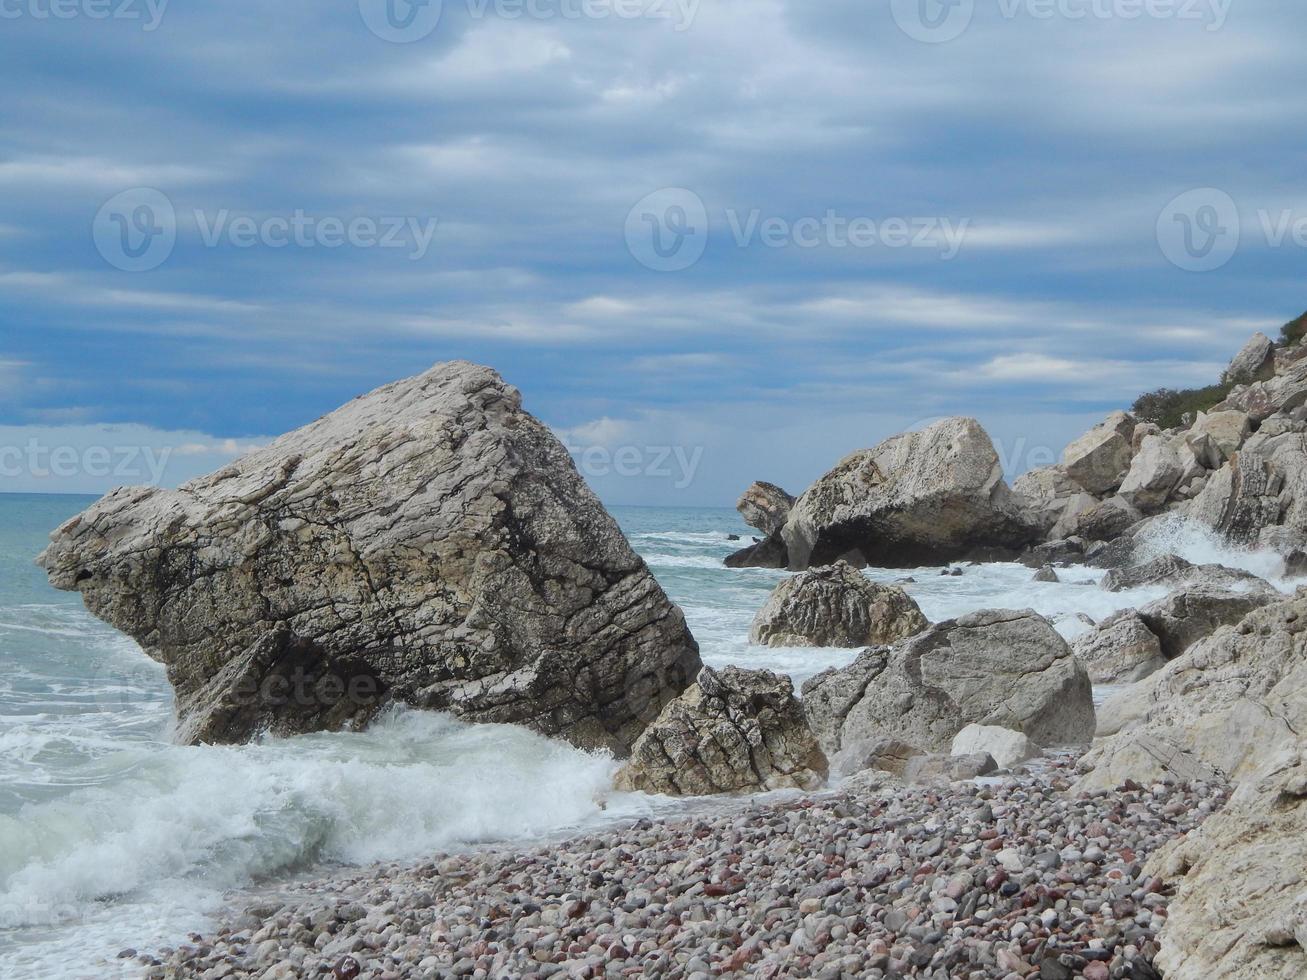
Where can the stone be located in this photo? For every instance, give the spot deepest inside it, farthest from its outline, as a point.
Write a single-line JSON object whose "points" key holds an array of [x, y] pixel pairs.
{"points": [[1227, 702], [995, 667], [835, 606], [1228, 431], [1044, 493], [1119, 650], [765, 506], [1154, 474], [881, 754], [1254, 362], [920, 498], [1241, 905], [925, 769], [1047, 574], [1060, 551], [1174, 572], [732, 731], [1262, 399], [1007, 748], [1193, 613], [1091, 519], [430, 543], [768, 553], [1099, 459], [1259, 498], [1143, 758]]}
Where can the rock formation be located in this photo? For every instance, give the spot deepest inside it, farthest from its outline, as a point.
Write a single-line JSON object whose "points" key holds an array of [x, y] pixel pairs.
{"points": [[1190, 614], [1259, 498], [733, 731], [925, 497], [1120, 650], [1004, 668], [765, 506], [835, 606], [1255, 362], [430, 543], [1099, 459], [1175, 572]]}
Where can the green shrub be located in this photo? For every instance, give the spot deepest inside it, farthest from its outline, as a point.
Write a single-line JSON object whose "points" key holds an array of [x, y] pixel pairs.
{"points": [[1167, 407], [1293, 332]]}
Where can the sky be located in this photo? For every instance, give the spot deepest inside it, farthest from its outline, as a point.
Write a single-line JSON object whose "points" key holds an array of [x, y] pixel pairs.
{"points": [[711, 241]]}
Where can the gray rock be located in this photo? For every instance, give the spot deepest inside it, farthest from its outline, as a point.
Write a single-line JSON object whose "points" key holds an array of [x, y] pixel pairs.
{"points": [[733, 731], [1120, 650], [1255, 362], [835, 606], [1193, 613], [1045, 493], [429, 543], [1090, 519], [881, 754], [1175, 572], [765, 506], [1047, 574], [1228, 431], [924, 769], [1259, 498], [1007, 748], [1099, 459], [1154, 475], [768, 553], [920, 498], [997, 667], [1260, 400]]}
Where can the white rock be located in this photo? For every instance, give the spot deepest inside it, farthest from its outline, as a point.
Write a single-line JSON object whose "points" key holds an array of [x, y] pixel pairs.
{"points": [[1008, 748]]}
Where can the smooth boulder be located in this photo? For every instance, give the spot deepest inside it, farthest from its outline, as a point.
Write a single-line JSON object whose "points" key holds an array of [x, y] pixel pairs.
{"points": [[430, 543], [1099, 459], [1007, 748], [733, 731], [835, 606], [997, 667], [920, 498], [1120, 650]]}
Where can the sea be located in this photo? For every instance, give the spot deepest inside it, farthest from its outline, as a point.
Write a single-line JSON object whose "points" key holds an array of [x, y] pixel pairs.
{"points": [[112, 837]]}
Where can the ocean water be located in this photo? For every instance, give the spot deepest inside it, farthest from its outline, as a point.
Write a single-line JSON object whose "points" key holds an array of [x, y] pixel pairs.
{"points": [[112, 837]]}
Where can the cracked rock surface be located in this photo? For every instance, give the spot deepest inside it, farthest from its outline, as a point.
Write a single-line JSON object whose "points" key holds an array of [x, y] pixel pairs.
{"points": [[733, 731], [429, 543]]}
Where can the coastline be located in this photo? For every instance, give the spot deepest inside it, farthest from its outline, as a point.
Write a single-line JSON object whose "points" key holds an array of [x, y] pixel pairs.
{"points": [[1010, 876]]}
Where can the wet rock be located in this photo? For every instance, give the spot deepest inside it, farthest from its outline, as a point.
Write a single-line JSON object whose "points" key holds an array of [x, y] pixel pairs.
{"points": [[835, 606], [1175, 572]]}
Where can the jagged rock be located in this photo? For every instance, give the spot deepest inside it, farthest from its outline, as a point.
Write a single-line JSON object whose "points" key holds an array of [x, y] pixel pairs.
{"points": [[1255, 362], [1119, 650], [996, 667], [1175, 572], [1228, 431], [765, 506], [1142, 431], [923, 770], [1228, 702], [1154, 474], [768, 553], [1054, 553], [1241, 908], [1282, 393], [835, 606], [733, 731], [1193, 613], [1047, 574], [1007, 748], [1098, 460], [1091, 519], [882, 754], [1143, 758], [1045, 493], [921, 498], [429, 543], [1259, 498]]}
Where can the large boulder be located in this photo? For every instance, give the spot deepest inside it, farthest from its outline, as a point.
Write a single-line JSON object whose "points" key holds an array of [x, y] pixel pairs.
{"points": [[1226, 703], [733, 731], [926, 497], [1007, 748], [1259, 498], [768, 553], [1228, 431], [1154, 474], [997, 667], [1262, 399], [1045, 493], [1187, 615], [430, 543], [1175, 572], [1099, 459], [835, 606], [1255, 362], [765, 506], [1241, 906], [1119, 650], [1090, 519]]}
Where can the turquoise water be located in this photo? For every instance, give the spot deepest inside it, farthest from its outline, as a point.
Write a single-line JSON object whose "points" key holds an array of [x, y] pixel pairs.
{"points": [[111, 836]]}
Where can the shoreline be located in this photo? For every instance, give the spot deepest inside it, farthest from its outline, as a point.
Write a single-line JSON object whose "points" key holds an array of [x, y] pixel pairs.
{"points": [[1013, 878]]}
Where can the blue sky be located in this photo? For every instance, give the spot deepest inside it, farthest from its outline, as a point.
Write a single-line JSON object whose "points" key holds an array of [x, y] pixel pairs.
{"points": [[1032, 150]]}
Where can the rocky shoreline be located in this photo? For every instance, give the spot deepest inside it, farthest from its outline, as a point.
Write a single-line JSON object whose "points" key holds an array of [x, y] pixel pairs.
{"points": [[1019, 876]]}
